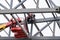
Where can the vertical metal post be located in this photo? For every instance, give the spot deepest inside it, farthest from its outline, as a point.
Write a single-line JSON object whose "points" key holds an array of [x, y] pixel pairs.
{"points": [[54, 29], [11, 4], [30, 34]]}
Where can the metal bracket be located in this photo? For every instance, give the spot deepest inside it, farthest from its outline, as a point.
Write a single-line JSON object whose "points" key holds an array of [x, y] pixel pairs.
{"points": [[58, 9]]}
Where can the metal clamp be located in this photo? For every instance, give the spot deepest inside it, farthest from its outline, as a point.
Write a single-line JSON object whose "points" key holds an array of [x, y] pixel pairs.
{"points": [[58, 10]]}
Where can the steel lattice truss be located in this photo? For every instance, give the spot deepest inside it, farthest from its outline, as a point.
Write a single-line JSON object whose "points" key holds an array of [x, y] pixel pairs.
{"points": [[53, 9]]}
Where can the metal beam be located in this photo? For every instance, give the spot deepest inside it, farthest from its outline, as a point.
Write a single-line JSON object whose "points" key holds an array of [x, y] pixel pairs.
{"points": [[51, 2], [42, 29], [52, 5], [20, 25], [47, 20], [31, 30], [7, 2], [19, 4], [54, 29], [46, 38], [3, 6], [38, 29], [33, 38], [43, 20], [40, 10]]}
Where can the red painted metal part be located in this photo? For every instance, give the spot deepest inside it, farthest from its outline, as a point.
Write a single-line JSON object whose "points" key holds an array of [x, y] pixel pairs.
{"points": [[18, 32], [12, 22]]}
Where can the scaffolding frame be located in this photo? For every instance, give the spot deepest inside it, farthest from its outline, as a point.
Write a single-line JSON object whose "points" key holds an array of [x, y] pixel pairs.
{"points": [[52, 9]]}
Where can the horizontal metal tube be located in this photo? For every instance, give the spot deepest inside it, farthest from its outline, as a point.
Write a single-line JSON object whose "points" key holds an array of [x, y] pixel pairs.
{"points": [[20, 11]]}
